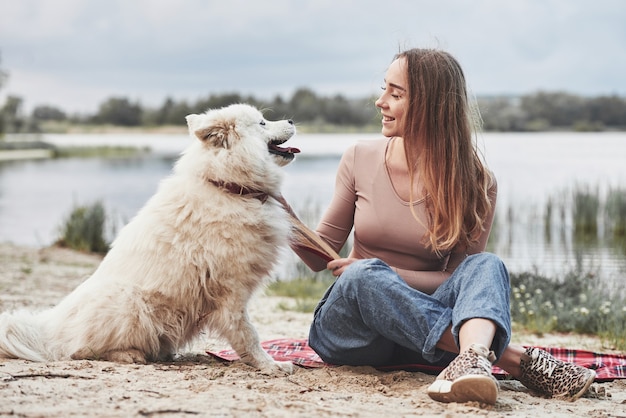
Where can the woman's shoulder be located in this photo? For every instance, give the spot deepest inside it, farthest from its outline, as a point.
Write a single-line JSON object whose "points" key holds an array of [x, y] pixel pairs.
{"points": [[364, 153], [370, 147], [377, 143]]}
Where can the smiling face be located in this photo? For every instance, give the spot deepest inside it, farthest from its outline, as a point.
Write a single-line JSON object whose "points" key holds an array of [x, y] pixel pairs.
{"points": [[243, 126], [393, 101]]}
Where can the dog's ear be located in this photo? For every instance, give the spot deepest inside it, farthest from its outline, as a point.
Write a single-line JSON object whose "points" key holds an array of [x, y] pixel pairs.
{"points": [[193, 121], [219, 134]]}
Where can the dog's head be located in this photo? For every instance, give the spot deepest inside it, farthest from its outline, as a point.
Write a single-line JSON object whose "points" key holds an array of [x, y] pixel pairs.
{"points": [[242, 125]]}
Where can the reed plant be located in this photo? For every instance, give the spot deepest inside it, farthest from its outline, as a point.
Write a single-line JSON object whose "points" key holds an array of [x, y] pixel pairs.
{"points": [[585, 211], [615, 213], [84, 229]]}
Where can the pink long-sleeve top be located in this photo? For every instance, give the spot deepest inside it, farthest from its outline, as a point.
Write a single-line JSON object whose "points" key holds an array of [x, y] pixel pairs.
{"points": [[384, 226]]}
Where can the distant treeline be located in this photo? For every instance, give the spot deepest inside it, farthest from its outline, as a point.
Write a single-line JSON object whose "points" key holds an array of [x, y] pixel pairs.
{"points": [[534, 112]]}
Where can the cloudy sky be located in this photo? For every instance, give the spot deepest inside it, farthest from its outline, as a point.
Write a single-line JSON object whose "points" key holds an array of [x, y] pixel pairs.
{"points": [[74, 54]]}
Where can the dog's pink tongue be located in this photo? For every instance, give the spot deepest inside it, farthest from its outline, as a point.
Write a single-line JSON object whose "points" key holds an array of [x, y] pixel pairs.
{"points": [[290, 150]]}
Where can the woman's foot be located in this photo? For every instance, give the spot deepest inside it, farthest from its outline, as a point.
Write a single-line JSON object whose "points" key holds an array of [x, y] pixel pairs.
{"points": [[543, 373], [467, 378]]}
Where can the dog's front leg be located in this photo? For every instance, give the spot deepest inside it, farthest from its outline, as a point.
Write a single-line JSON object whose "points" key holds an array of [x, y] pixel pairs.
{"points": [[243, 338]]}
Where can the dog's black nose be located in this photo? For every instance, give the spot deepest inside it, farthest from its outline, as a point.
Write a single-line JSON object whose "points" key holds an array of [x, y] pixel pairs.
{"points": [[290, 121]]}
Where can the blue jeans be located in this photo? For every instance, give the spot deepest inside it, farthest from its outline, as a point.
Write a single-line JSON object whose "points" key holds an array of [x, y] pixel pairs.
{"points": [[370, 316]]}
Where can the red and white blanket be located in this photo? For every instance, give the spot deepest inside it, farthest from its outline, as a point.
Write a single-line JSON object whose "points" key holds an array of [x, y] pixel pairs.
{"points": [[607, 366]]}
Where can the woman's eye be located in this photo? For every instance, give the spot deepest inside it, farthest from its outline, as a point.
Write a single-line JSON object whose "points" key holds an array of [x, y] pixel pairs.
{"points": [[395, 96]]}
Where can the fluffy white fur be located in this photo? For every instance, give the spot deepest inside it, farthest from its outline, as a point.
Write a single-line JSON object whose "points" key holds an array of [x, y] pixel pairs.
{"points": [[189, 261]]}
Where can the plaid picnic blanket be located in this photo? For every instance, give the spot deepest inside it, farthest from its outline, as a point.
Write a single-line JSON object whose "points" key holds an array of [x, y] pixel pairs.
{"points": [[607, 366]]}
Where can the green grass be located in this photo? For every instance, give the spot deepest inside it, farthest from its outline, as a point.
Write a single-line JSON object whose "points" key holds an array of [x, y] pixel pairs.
{"points": [[305, 293], [99, 152]]}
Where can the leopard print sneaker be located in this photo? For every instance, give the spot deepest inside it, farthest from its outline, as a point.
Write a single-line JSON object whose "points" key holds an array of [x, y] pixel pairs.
{"points": [[467, 378], [545, 374]]}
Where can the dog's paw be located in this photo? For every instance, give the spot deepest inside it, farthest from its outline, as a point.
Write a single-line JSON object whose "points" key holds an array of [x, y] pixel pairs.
{"points": [[125, 356], [278, 368], [285, 366]]}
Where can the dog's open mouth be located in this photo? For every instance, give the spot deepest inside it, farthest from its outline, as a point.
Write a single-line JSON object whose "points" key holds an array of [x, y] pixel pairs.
{"points": [[285, 152]]}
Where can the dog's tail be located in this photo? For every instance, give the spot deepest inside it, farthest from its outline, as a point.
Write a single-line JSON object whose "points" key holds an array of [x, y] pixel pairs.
{"points": [[21, 336]]}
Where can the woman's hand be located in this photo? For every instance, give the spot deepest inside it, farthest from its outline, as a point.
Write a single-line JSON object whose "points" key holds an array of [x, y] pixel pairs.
{"points": [[337, 267]]}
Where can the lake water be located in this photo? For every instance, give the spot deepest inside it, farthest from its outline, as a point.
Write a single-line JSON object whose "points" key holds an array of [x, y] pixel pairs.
{"points": [[37, 195]]}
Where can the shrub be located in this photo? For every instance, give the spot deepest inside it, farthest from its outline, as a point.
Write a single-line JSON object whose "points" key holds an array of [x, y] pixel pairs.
{"points": [[84, 229], [575, 303]]}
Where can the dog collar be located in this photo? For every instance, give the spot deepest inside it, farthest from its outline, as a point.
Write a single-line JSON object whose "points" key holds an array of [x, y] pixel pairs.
{"points": [[241, 190]]}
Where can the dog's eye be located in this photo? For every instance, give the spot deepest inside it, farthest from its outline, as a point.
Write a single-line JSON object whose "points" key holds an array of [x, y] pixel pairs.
{"points": [[262, 123]]}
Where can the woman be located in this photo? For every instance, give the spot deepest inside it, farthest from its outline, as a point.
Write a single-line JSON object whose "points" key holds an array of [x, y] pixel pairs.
{"points": [[417, 285]]}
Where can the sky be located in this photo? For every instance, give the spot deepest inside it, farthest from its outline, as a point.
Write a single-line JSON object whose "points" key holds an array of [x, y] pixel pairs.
{"points": [[75, 54]]}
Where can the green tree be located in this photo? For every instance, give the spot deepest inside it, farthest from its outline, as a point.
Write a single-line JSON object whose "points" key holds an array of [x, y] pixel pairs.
{"points": [[12, 114], [501, 114], [557, 109], [278, 108], [46, 113], [216, 101], [3, 74], [176, 113], [305, 105], [119, 111], [609, 110], [3, 77]]}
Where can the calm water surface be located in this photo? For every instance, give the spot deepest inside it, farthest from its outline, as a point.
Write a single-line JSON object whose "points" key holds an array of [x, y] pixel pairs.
{"points": [[36, 196]]}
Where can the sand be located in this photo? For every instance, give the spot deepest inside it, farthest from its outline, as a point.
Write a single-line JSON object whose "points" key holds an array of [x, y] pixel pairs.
{"points": [[199, 385]]}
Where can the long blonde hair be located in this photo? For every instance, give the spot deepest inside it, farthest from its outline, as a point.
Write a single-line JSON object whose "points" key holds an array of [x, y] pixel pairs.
{"points": [[439, 146]]}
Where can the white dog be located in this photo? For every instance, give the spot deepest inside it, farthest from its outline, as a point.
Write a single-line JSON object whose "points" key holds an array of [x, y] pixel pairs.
{"points": [[190, 260]]}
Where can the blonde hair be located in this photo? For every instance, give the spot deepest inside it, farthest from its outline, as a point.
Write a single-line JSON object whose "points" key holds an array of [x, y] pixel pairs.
{"points": [[439, 147]]}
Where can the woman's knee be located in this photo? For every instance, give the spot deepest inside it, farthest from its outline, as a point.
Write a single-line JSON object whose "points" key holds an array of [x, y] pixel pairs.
{"points": [[364, 274], [489, 263], [486, 258]]}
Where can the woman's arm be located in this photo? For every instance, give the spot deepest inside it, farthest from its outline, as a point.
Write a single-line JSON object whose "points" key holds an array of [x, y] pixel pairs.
{"points": [[338, 219]]}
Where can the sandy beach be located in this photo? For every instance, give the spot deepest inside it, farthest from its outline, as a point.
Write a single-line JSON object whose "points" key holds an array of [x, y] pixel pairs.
{"points": [[197, 384]]}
